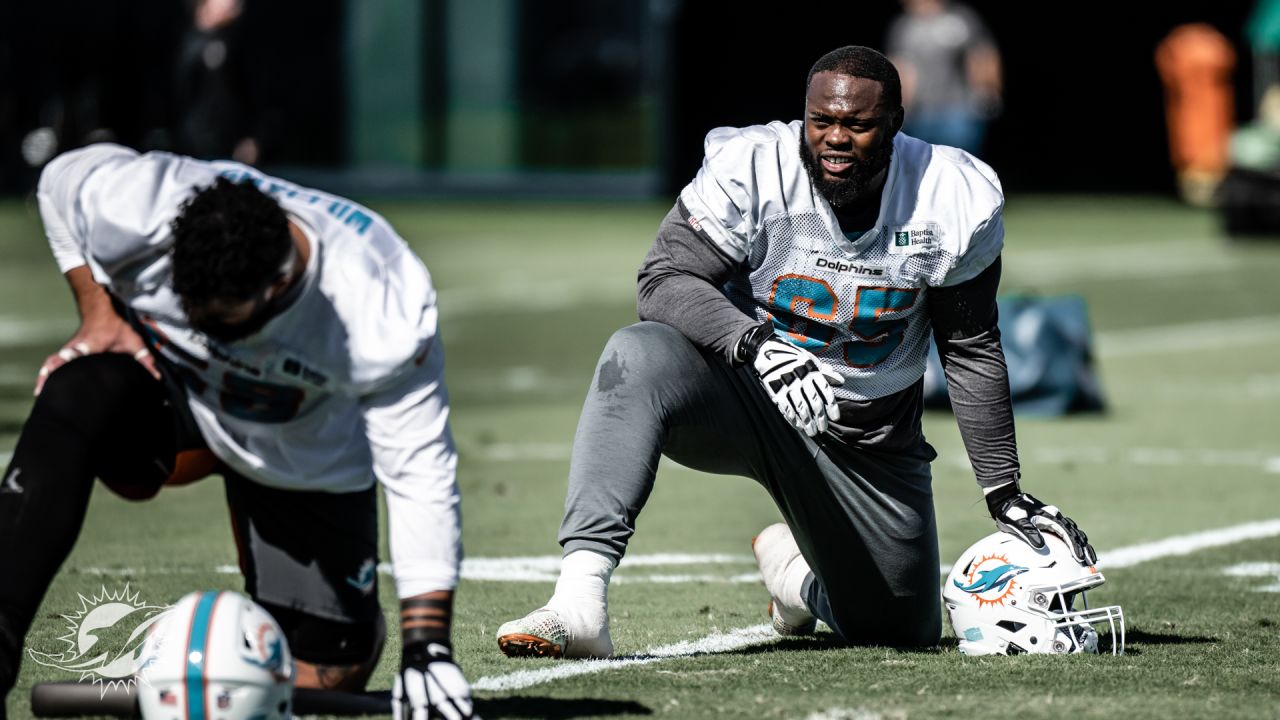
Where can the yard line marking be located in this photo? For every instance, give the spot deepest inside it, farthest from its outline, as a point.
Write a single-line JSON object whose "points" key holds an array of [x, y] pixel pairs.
{"points": [[714, 643], [1186, 544], [1169, 457], [1187, 337], [1257, 570], [21, 331], [1208, 457], [759, 634], [516, 296], [546, 568]]}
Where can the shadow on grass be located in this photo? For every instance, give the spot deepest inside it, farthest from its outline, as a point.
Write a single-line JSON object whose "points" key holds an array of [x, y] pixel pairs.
{"points": [[1144, 637], [543, 707], [829, 641]]}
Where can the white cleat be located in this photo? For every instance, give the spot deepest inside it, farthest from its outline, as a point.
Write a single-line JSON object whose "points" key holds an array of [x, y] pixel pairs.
{"points": [[783, 569], [545, 633]]}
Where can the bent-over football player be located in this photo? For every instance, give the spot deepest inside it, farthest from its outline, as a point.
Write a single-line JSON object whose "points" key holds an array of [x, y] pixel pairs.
{"points": [[787, 306], [282, 337]]}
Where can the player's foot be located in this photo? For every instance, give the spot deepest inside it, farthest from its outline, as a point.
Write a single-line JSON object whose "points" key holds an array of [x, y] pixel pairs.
{"points": [[783, 569], [546, 633]]}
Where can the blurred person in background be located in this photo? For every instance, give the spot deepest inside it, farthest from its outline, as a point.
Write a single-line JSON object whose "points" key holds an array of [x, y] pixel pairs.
{"points": [[87, 72], [1195, 62], [951, 72], [215, 109]]}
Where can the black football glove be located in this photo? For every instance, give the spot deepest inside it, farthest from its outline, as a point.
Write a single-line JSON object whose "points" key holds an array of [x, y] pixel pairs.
{"points": [[430, 685], [1020, 514]]}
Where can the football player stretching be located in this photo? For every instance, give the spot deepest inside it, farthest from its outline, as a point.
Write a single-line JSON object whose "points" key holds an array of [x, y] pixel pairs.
{"points": [[788, 303], [282, 337]]}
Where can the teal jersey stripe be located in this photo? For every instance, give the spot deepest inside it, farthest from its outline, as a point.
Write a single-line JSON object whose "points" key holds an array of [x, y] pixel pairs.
{"points": [[198, 654]]}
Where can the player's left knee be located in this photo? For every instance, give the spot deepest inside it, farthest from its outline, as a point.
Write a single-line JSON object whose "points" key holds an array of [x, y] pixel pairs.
{"points": [[644, 355]]}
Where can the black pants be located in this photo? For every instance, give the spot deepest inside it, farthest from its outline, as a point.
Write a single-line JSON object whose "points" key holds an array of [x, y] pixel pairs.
{"points": [[310, 558]]}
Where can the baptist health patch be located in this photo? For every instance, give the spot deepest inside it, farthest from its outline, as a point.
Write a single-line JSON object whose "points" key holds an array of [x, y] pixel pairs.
{"points": [[914, 238]]}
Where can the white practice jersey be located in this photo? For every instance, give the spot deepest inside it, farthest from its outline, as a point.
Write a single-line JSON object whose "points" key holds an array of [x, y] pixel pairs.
{"points": [[345, 385], [857, 303]]}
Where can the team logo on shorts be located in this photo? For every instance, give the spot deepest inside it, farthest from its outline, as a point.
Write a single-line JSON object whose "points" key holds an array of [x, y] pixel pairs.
{"points": [[990, 580], [104, 638]]}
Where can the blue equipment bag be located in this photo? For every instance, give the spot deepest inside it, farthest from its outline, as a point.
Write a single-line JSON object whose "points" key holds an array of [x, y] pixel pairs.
{"points": [[1048, 349]]}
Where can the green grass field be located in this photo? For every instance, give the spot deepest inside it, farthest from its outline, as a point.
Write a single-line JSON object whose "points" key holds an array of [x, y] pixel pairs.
{"points": [[1188, 331]]}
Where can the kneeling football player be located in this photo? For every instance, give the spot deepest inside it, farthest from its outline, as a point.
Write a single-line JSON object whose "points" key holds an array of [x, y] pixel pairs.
{"points": [[789, 300], [281, 337]]}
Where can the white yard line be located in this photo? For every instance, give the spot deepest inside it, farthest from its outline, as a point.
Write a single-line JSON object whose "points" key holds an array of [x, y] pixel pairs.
{"points": [[714, 643], [1188, 337], [1267, 462], [1163, 456], [22, 331], [546, 568], [1269, 570], [1187, 544]]}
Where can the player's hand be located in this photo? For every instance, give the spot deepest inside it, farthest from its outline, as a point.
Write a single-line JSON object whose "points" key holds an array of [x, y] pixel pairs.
{"points": [[430, 685], [799, 384], [103, 332], [1021, 514]]}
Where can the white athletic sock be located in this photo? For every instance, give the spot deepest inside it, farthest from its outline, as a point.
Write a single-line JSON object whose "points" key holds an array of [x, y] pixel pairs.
{"points": [[581, 600], [790, 595]]}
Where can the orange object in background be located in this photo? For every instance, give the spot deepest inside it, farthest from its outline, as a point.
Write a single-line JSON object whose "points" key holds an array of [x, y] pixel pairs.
{"points": [[1195, 63]]}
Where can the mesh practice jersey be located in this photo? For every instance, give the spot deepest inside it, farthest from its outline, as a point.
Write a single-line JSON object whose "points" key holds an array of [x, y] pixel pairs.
{"points": [[859, 304], [344, 385]]}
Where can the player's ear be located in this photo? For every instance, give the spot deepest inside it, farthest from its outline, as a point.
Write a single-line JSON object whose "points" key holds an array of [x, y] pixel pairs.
{"points": [[896, 121]]}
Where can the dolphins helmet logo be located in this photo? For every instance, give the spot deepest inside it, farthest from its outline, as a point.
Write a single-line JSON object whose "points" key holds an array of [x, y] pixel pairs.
{"points": [[104, 638], [990, 580], [265, 649]]}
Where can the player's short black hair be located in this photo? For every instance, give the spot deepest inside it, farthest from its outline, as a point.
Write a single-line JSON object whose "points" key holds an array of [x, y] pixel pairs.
{"points": [[229, 243], [863, 62]]}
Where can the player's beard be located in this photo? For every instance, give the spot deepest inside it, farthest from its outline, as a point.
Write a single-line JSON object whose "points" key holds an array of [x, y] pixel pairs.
{"points": [[844, 192]]}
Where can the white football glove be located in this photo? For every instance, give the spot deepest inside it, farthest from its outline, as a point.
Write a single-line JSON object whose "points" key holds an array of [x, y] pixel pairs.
{"points": [[430, 685], [797, 382]]}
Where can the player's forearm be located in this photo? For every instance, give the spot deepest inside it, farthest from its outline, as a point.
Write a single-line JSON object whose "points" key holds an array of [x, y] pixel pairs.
{"points": [[92, 300], [680, 284], [965, 328], [423, 516], [426, 618], [978, 383], [415, 460]]}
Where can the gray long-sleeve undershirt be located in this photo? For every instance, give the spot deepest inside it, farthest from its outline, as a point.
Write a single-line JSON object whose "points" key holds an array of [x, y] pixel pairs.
{"points": [[681, 284]]}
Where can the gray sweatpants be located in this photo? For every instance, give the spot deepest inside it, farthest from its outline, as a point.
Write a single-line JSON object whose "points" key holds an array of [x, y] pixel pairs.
{"points": [[863, 519]]}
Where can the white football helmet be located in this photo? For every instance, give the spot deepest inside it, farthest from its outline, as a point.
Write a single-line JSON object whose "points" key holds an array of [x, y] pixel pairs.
{"points": [[215, 655], [1007, 598]]}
